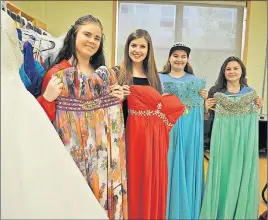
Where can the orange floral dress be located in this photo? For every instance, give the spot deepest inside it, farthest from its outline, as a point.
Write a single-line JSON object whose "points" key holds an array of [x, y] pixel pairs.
{"points": [[90, 123]]}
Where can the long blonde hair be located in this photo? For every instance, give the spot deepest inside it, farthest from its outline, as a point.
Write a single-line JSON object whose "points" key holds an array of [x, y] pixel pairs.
{"points": [[125, 75]]}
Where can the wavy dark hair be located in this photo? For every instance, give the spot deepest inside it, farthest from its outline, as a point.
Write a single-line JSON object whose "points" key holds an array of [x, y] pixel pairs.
{"points": [[125, 74], [69, 44], [221, 83]]}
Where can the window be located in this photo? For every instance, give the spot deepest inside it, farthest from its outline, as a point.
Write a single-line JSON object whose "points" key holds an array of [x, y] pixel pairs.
{"points": [[212, 32], [212, 35], [125, 9], [157, 19], [167, 17], [142, 10]]}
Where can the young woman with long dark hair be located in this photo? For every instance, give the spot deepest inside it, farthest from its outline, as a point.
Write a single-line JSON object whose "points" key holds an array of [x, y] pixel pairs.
{"points": [[232, 184], [82, 98]]}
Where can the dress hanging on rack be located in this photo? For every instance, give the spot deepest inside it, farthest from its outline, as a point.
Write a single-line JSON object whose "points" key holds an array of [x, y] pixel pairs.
{"points": [[32, 70], [32, 46]]}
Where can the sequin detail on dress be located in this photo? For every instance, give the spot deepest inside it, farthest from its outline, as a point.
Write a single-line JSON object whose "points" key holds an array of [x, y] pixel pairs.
{"points": [[156, 112], [187, 91], [235, 104], [90, 124]]}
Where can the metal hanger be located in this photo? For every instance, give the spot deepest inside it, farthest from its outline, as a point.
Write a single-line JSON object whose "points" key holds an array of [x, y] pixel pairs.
{"points": [[4, 6], [52, 45]]}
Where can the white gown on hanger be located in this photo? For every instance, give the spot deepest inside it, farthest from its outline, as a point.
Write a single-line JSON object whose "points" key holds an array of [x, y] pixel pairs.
{"points": [[39, 178]]}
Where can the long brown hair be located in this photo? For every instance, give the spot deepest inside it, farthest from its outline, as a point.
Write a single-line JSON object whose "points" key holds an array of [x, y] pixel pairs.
{"points": [[125, 74], [167, 67]]}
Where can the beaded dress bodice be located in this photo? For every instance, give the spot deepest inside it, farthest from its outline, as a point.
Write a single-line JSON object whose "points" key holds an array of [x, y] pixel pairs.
{"points": [[187, 92], [235, 105]]}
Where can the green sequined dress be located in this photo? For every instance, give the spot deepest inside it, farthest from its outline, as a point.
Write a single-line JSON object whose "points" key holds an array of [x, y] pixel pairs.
{"points": [[232, 186]]}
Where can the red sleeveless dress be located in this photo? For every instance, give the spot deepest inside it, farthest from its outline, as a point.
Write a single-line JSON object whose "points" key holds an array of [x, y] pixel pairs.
{"points": [[150, 118]]}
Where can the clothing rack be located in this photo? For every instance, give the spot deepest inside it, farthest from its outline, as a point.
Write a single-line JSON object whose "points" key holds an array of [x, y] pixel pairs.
{"points": [[41, 39], [27, 22], [4, 5], [24, 19]]}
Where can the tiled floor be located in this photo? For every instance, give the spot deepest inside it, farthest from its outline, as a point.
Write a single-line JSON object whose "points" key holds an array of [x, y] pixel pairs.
{"points": [[263, 179]]}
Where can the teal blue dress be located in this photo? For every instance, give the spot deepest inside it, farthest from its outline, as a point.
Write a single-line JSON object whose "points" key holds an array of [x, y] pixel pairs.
{"points": [[185, 156], [232, 185]]}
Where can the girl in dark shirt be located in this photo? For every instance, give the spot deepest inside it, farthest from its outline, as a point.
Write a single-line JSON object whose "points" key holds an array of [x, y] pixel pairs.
{"points": [[138, 67]]}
